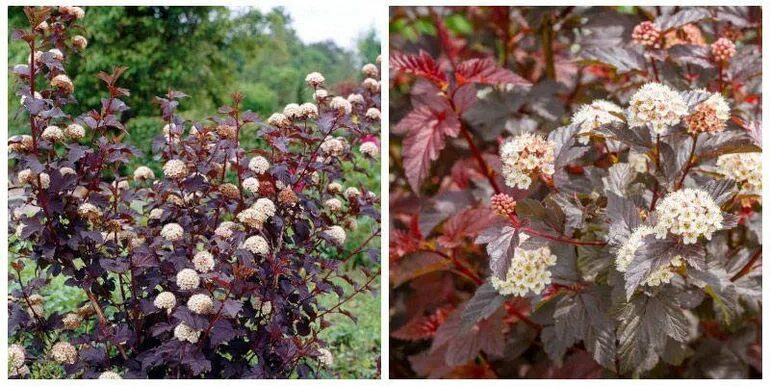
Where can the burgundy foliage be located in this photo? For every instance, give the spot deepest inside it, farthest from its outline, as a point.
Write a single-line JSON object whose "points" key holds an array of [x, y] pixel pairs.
{"points": [[464, 80], [266, 315]]}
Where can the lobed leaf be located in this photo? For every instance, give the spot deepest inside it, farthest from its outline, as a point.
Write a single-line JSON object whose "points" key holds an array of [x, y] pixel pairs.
{"points": [[681, 18], [422, 65], [486, 71], [622, 59], [501, 241]]}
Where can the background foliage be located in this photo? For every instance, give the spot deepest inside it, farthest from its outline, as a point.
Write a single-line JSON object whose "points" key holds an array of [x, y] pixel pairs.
{"points": [[205, 51]]}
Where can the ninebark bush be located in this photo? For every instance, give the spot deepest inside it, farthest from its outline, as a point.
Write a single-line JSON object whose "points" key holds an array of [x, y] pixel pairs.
{"points": [[576, 192], [213, 269]]}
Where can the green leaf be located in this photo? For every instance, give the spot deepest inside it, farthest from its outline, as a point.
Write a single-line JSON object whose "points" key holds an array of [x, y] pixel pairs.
{"points": [[459, 24]]}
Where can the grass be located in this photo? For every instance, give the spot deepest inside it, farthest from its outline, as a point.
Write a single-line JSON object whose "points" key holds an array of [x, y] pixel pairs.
{"points": [[355, 345]]}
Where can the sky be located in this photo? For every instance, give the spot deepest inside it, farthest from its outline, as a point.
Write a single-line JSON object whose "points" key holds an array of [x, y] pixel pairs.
{"points": [[336, 20]]}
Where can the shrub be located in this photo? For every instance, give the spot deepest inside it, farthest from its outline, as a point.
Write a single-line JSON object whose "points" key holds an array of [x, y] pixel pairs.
{"points": [[211, 265], [590, 214]]}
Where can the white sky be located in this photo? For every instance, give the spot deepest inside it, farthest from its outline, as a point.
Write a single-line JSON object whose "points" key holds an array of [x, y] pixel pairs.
{"points": [[336, 20]]}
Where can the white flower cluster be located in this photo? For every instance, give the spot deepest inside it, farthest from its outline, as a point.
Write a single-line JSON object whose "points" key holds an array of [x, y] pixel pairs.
{"points": [[333, 146], [341, 105], [16, 359], [251, 184], [175, 169], [110, 375], [657, 105], [334, 187], [200, 303], [256, 244], [337, 234], [320, 94], [308, 110], [373, 114], [524, 156], [627, 251], [172, 232], [325, 358], [143, 173], [187, 279], [42, 180], [334, 205], [203, 261], [370, 70], [352, 192], [745, 169], [259, 165], [63, 83], [74, 132], [315, 79], [227, 131], [36, 310], [225, 229], [591, 116], [75, 12], [156, 213], [356, 99], [80, 42], [229, 190], [371, 84], [184, 333], [172, 137], [53, 133], [20, 143], [370, 149], [689, 213], [528, 272], [165, 300], [71, 321], [296, 111], [64, 353], [279, 120], [90, 212], [256, 215]]}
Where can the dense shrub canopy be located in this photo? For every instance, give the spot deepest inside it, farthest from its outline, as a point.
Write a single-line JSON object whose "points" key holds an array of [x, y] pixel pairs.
{"points": [[212, 267]]}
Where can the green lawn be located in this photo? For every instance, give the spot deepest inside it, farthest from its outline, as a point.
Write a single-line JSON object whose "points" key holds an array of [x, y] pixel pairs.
{"points": [[355, 345]]}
